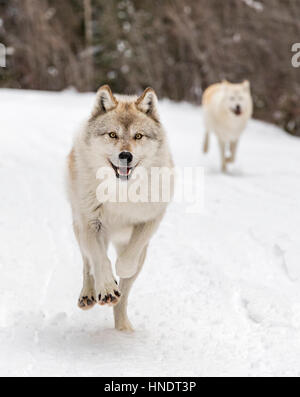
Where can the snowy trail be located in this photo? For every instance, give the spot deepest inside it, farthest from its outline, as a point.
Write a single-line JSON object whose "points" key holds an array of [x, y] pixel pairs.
{"points": [[219, 295]]}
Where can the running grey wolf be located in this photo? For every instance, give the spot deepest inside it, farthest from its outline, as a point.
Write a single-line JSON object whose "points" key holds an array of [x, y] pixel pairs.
{"points": [[227, 109], [122, 133]]}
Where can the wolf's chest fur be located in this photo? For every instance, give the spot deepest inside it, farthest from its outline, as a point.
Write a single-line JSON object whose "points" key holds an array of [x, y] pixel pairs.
{"points": [[228, 127], [130, 213]]}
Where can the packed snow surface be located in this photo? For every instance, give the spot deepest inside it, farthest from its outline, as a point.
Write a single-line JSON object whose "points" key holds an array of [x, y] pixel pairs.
{"points": [[220, 291]]}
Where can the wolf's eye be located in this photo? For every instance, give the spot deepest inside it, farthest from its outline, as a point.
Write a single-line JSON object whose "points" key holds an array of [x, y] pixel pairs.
{"points": [[113, 135], [138, 137]]}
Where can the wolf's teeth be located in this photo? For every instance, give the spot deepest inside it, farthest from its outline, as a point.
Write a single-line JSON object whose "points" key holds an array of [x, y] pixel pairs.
{"points": [[127, 173]]}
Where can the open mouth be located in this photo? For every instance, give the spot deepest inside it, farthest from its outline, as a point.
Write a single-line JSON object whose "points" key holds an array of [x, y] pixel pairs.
{"points": [[123, 172], [237, 111]]}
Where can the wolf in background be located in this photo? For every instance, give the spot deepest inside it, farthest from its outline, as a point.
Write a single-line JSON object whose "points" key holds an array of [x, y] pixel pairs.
{"points": [[227, 109]]}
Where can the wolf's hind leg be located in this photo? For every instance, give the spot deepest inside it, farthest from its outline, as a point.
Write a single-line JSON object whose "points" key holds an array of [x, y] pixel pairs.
{"points": [[233, 149], [223, 155], [122, 322], [128, 260], [206, 142]]}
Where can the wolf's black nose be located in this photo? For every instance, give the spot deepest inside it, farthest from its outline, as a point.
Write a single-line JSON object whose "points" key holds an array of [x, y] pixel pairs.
{"points": [[126, 156]]}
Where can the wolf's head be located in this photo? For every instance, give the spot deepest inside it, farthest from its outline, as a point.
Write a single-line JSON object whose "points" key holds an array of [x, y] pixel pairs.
{"points": [[124, 132], [238, 99]]}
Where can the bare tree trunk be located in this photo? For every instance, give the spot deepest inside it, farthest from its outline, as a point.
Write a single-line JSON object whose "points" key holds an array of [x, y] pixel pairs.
{"points": [[88, 21]]}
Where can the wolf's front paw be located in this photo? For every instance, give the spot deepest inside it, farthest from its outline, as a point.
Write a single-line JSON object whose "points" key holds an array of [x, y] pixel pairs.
{"points": [[108, 294], [126, 267], [86, 300]]}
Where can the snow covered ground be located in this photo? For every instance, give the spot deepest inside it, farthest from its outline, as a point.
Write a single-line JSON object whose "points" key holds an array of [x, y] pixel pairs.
{"points": [[220, 292]]}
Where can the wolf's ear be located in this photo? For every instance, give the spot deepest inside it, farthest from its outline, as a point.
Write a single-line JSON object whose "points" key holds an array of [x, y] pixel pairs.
{"points": [[105, 101], [246, 84], [147, 103]]}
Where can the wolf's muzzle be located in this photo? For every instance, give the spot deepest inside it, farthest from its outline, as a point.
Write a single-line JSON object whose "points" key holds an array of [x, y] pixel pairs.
{"points": [[124, 168], [238, 110], [126, 157]]}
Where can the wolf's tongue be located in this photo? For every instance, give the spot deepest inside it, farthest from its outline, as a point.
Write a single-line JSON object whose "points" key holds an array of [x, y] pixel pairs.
{"points": [[124, 170]]}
